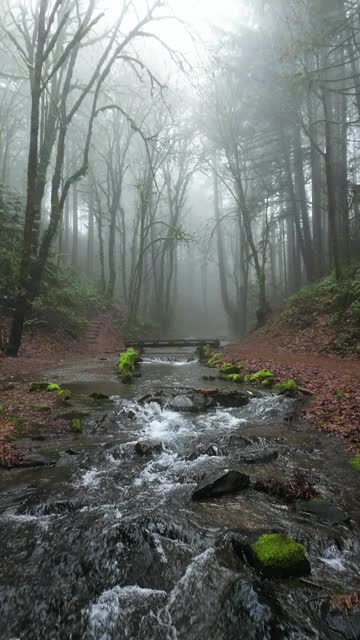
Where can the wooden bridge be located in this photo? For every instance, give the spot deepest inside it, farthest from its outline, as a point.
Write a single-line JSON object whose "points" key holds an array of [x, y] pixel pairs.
{"points": [[173, 342]]}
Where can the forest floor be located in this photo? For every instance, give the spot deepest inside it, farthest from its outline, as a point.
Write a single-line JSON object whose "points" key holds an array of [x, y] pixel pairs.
{"points": [[22, 412], [333, 382]]}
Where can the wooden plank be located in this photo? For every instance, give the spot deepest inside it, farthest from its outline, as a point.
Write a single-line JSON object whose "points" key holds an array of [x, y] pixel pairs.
{"points": [[180, 342]]}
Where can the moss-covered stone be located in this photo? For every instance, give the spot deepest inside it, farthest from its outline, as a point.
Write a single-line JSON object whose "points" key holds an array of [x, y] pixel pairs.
{"points": [[53, 387], [76, 425], [234, 377], [214, 360], [289, 386], [38, 386], [43, 386], [127, 364], [279, 555], [259, 376], [355, 462], [65, 395], [228, 368], [268, 382], [204, 352]]}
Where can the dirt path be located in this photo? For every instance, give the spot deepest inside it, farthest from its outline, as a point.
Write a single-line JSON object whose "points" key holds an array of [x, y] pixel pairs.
{"points": [[333, 382], [39, 352]]}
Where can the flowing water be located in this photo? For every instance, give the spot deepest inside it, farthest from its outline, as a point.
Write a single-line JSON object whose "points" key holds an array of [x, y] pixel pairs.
{"points": [[109, 545]]}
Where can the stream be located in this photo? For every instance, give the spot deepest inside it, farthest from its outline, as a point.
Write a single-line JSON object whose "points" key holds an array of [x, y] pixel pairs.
{"points": [[109, 544]]}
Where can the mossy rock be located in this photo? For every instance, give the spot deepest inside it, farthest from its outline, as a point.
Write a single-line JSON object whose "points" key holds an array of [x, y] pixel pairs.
{"points": [[53, 386], [259, 377], [278, 555], [204, 352], [268, 382], [228, 368], [43, 386], [355, 462], [65, 395], [234, 377], [288, 387], [214, 360], [127, 363], [76, 425]]}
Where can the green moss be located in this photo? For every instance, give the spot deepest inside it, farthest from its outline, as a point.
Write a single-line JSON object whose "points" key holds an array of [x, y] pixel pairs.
{"points": [[268, 382], [234, 377], [38, 386], [287, 385], [53, 387], [228, 368], [127, 364], [355, 462], [76, 425], [65, 395], [277, 549], [214, 360], [259, 376], [204, 352], [43, 386]]}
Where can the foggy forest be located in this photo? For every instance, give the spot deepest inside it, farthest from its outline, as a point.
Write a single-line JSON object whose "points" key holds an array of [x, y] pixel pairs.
{"points": [[180, 185]]}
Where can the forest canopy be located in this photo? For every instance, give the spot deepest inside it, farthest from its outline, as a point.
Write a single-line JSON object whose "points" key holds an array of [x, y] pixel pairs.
{"points": [[193, 176]]}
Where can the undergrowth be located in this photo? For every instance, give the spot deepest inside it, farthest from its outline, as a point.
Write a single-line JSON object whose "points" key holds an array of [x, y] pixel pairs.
{"points": [[338, 302]]}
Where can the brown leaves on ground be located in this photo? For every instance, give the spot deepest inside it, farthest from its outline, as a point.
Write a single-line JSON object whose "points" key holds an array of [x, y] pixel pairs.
{"points": [[333, 382]]}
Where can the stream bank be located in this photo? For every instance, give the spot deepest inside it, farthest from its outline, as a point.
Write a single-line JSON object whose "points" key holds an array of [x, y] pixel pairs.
{"points": [[109, 542]]}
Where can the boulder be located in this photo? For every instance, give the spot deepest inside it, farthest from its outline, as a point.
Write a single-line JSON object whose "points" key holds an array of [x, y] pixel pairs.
{"points": [[148, 447], [278, 555], [218, 484]]}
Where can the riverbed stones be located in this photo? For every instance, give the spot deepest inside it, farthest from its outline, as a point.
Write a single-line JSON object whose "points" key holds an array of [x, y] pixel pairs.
{"points": [[266, 457], [218, 484], [202, 450], [148, 447]]}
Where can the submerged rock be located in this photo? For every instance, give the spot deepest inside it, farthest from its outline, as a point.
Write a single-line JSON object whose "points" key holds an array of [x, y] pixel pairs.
{"points": [[261, 458], [218, 484], [211, 451], [324, 510], [181, 403], [36, 460], [148, 447]]}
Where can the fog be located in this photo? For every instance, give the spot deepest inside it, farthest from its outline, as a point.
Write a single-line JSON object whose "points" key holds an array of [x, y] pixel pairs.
{"points": [[195, 163]]}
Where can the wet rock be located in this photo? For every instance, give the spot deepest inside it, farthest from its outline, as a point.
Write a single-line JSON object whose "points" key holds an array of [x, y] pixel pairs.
{"points": [[73, 452], [181, 403], [274, 554], [261, 458], [322, 509], [40, 437], [211, 451], [218, 484], [36, 460], [99, 396], [241, 441], [231, 399], [210, 378], [148, 447]]}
